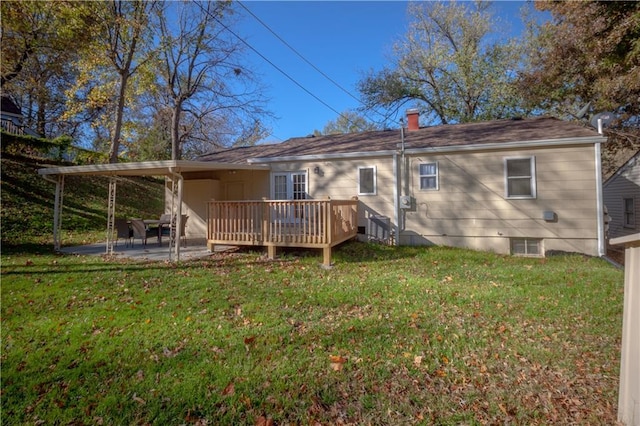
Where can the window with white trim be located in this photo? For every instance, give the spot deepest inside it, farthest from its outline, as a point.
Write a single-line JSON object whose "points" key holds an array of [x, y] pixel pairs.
{"points": [[367, 180], [629, 213], [520, 177], [428, 176], [526, 246]]}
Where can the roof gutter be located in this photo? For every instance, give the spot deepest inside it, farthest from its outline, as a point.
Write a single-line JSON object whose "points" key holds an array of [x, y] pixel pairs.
{"points": [[448, 149]]}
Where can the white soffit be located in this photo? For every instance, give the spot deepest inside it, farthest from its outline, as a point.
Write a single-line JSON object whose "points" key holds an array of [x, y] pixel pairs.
{"points": [[147, 168]]}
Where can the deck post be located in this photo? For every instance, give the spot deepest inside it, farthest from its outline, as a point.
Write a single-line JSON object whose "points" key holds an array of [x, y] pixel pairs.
{"points": [[326, 250], [264, 232], [326, 256], [271, 251], [329, 222]]}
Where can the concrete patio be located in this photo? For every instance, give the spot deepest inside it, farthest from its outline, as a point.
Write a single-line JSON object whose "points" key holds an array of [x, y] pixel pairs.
{"points": [[195, 249]]}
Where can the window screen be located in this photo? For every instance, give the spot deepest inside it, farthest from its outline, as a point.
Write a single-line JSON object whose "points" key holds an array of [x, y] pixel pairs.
{"points": [[520, 177], [366, 180]]}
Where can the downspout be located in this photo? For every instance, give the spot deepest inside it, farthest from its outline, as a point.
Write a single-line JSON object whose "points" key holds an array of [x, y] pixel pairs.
{"points": [[175, 177], [403, 180], [602, 248], [399, 187], [396, 197], [405, 170]]}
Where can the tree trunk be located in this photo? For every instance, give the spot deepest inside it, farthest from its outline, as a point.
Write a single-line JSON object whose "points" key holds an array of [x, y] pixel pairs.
{"points": [[115, 140], [176, 151], [40, 118]]}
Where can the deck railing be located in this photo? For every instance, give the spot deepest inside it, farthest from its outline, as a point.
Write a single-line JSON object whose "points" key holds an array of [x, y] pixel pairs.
{"points": [[283, 223]]}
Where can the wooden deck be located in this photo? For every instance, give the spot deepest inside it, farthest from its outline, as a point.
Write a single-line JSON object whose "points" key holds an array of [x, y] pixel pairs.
{"points": [[277, 223]]}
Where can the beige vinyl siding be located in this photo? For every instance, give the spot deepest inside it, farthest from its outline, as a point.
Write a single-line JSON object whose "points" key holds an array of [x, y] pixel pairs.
{"points": [[197, 192], [471, 208], [255, 183], [622, 185], [339, 180]]}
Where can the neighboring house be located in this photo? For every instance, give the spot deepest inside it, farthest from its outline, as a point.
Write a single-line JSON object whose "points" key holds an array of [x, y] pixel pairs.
{"points": [[11, 118], [621, 193], [521, 186]]}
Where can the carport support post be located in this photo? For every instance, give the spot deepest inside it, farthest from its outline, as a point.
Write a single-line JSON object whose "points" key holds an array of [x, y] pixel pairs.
{"points": [[57, 212], [111, 210], [176, 212]]}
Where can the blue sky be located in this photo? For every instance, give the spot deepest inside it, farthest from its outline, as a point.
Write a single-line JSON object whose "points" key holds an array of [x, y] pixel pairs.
{"points": [[343, 39]]}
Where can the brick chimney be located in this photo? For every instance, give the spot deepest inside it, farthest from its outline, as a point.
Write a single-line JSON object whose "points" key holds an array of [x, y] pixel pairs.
{"points": [[413, 116]]}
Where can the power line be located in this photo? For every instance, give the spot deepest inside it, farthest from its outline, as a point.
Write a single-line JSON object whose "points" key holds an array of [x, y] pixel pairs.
{"points": [[307, 61], [270, 62]]}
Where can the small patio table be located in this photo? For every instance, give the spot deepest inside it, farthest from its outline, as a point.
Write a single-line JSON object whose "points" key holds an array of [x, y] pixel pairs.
{"points": [[160, 223]]}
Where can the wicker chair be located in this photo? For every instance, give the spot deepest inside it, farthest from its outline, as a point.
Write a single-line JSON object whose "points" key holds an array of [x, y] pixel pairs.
{"points": [[166, 231], [141, 231], [123, 230]]}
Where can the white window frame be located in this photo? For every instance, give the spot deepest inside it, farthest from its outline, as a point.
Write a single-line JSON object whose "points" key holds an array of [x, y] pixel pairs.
{"points": [[290, 177], [531, 177], [436, 175], [375, 180], [526, 242], [629, 217]]}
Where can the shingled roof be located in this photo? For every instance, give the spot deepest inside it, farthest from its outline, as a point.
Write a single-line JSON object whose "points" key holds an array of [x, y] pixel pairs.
{"points": [[445, 136], [8, 106]]}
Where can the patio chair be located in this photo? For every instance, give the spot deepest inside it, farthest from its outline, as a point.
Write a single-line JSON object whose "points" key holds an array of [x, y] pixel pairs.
{"points": [[141, 231], [123, 230], [183, 226], [166, 231]]}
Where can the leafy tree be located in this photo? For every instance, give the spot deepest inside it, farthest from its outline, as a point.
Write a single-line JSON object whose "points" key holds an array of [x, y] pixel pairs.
{"points": [[39, 44], [449, 65], [588, 54], [120, 50], [202, 79], [589, 51], [347, 122]]}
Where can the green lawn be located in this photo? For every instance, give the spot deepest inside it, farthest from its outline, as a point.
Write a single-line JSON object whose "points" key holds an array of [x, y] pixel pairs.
{"points": [[388, 336]]}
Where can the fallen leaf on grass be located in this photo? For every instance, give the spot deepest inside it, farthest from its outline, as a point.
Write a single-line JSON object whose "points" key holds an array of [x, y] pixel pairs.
{"points": [[337, 362], [263, 421], [171, 353], [248, 342], [229, 390], [440, 373], [139, 400], [140, 375]]}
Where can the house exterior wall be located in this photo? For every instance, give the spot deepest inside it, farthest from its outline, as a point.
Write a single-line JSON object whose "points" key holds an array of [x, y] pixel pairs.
{"points": [[243, 185], [469, 208], [223, 185], [338, 179], [625, 184]]}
